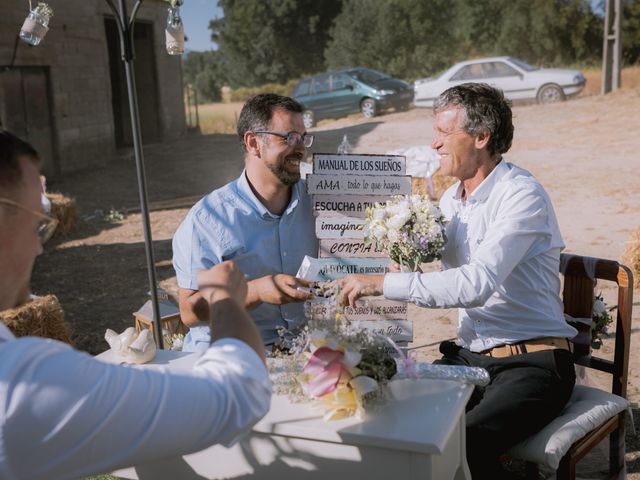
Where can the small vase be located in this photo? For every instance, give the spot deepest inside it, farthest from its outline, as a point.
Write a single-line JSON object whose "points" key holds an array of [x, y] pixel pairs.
{"points": [[174, 33], [35, 27]]}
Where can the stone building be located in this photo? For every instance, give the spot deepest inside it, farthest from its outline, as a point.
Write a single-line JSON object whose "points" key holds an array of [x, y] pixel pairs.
{"points": [[68, 95]]}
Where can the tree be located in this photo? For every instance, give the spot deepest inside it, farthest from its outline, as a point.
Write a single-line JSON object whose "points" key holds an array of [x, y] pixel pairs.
{"points": [[543, 32], [272, 41], [631, 32], [205, 72], [404, 38]]}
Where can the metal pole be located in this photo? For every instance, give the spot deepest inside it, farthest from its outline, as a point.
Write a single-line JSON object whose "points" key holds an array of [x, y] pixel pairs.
{"points": [[125, 26], [612, 46], [195, 96], [188, 93]]}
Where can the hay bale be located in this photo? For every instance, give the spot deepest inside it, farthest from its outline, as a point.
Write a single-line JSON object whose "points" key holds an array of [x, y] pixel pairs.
{"points": [[631, 257], [42, 317], [441, 183], [420, 185], [65, 211]]}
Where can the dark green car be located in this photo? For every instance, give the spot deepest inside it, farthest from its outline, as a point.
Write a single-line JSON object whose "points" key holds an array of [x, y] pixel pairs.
{"points": [[338, 93]]}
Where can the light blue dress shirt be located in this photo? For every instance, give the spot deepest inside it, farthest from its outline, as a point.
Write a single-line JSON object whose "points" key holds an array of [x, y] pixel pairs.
{"points": [[500, 264], [232, 224]]}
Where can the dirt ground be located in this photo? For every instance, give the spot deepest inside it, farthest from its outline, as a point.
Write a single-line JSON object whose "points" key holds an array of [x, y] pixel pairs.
{"points": [[584, 151]]}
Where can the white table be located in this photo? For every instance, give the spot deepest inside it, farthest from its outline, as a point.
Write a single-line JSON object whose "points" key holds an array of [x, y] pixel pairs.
{"points": [[418, 437]]}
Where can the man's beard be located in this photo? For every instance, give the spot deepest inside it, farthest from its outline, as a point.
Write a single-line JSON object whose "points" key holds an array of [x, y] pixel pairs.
{"points": [[285, 176]]}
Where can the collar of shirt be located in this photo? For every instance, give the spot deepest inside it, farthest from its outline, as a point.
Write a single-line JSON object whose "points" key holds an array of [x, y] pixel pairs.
{"points": [[245, 191], [5, 333], [484, 189]]}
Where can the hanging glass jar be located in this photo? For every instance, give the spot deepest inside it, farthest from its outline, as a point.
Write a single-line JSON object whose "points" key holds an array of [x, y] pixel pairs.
{"points": [[36, 25], [174, 33]]}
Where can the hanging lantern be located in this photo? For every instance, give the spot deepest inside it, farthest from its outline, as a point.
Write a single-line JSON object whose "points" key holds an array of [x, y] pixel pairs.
{"points": [[174, 33], [36, 25]]}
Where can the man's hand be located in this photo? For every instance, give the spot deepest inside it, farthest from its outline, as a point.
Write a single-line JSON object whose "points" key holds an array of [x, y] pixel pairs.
{"points": [[352, 287], [223, 281], [277, 290]]}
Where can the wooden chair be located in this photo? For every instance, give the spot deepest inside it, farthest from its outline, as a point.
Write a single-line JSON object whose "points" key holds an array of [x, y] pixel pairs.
{"points": [[169, 318], [546, 447]]}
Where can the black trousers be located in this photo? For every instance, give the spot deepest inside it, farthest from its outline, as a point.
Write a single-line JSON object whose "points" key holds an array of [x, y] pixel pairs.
{"points": [[525, 393]]}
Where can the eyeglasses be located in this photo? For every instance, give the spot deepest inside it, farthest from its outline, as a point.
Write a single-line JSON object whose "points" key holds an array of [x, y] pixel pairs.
{"points": [[293, 138], [46, 225]]}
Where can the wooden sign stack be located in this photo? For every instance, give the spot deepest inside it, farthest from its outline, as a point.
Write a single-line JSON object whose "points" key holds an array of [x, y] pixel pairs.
{"points": [[342, 187]]}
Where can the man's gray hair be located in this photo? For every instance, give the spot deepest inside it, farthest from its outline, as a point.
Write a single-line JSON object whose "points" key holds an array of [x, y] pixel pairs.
{"points": [[486, 110]]}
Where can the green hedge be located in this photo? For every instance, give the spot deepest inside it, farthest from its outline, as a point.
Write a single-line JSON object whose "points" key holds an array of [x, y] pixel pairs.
{"points": [[245, 93]]}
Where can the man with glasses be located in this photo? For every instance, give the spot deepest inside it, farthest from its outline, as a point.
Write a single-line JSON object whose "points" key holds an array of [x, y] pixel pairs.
{"points": [[64, 414], [262, 220]]}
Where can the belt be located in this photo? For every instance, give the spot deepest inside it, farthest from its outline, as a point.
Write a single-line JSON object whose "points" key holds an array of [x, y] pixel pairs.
{"points": [[529, 346]]}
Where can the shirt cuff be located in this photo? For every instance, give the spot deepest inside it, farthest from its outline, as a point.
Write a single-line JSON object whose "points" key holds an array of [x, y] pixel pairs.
{"points": [[231, 351], [396, 286]]}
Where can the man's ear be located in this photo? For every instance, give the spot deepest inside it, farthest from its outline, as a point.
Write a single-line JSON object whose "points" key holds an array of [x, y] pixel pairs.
{"points": [[251, 144], [482, 140]]}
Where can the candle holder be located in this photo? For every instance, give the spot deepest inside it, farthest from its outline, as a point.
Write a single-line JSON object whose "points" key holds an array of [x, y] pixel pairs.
{"points": [[174, 32], [36, 25]]}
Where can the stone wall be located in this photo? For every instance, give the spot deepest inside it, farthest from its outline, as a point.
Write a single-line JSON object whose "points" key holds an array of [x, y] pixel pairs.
{"points": [[75, 50]]}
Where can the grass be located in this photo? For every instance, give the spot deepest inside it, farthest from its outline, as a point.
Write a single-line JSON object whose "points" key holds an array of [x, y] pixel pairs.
{"points": [[218, 117], [630, 79], [223, 117]]}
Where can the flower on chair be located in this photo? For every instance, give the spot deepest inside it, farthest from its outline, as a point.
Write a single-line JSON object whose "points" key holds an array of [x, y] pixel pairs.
{"points": [[601, 319]]}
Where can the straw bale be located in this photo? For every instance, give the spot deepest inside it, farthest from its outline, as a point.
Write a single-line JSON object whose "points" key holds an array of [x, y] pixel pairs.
{"points": [[420, 185], [65, 211], [42, 317], [631, 257]]}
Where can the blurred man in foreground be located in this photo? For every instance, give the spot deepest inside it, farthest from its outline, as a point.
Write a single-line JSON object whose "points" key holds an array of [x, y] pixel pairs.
{"points": [[64, 414]]}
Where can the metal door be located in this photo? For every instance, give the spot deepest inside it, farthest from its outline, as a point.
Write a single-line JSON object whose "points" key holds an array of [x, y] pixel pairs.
{"points": [[25, 109]]}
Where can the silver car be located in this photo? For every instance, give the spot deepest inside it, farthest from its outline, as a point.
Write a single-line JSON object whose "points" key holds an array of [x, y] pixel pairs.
{"points": [[517, 79]]}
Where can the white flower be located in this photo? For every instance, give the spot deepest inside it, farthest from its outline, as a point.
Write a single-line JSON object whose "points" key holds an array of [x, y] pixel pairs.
{"points": [[398, 216], [177, 344], [379, 214], [599, 307], [378, 231], [393, 236]]}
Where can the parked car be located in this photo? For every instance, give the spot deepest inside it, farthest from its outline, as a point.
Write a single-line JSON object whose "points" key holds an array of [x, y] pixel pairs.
{"points": [[517, 79], [341, 92]]}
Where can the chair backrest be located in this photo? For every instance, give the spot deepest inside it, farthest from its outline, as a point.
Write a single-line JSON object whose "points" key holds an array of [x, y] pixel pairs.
{"points": [[580, 276]]}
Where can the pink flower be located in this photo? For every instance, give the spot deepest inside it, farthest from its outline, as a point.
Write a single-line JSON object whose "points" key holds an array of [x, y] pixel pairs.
{"points": [[326, 369]]}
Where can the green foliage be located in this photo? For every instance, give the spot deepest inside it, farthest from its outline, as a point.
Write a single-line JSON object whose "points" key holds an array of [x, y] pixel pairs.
{"points": [[243, 94], [113, 216], [631, 32], [205, 72], [404, 38], [272, 41], [549, 32], [266, 42]]}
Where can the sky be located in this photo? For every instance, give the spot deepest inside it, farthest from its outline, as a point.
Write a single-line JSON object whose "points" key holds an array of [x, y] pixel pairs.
{"points": [[196, 15]]}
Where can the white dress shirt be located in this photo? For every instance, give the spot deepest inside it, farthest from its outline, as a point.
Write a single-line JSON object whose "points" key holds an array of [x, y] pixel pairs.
{"points": [[500, 263], [64, 414]]}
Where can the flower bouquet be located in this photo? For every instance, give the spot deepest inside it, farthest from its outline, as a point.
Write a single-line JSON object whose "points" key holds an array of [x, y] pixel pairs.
{"points": [[409, 228], [601, 319], [347, 369]]}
